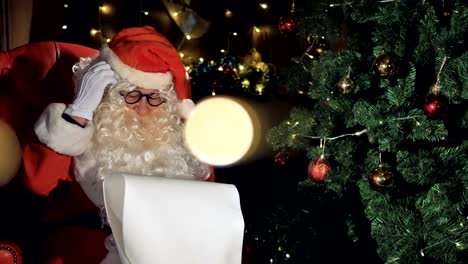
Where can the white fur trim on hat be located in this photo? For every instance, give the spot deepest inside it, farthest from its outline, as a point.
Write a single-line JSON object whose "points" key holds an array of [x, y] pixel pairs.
{"points": [[184, 108], [147, 80], [60, 135]]}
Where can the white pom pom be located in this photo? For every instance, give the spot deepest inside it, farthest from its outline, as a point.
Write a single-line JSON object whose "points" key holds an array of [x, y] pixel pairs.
{"points": [[184, 108]]}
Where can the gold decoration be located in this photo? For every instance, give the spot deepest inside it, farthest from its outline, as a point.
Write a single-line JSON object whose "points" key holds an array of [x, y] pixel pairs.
{"points": [[346, 85], [381, 179], [386, 65]]}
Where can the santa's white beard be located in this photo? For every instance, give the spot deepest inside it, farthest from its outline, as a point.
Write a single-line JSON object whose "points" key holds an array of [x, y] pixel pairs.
{"points": [[149, 145]]}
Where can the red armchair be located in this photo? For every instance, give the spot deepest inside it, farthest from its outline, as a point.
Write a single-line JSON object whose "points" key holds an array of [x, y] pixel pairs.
{"points": [[43, 196], [31, 77]]}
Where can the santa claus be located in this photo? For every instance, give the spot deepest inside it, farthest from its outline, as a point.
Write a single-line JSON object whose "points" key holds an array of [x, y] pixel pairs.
{"points": [[127, 116]]}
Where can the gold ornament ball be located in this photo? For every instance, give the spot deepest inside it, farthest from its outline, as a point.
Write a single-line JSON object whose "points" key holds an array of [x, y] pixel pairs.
{"points": [[346, 85], [10, 154], [381, 179], [386, 65]]}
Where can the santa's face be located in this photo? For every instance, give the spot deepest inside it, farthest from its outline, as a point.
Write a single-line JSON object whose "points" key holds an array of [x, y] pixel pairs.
{"points": [[141, 133], [143, 101]]}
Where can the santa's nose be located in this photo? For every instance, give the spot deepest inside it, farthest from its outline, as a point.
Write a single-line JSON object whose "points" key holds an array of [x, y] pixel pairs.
{"points": [[142, 107]]}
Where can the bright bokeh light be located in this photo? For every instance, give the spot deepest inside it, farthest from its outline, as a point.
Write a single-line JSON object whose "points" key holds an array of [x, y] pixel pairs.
{"points": [[105, 9], [10, 154], [93, 32], [220, 131]]}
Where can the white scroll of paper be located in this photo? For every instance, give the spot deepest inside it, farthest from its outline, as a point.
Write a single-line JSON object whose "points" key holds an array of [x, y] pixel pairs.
{"points": [[165, 220]]}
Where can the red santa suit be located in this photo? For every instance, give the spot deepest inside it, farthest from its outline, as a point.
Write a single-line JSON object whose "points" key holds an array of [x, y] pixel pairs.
{"points": [[139, 57]]}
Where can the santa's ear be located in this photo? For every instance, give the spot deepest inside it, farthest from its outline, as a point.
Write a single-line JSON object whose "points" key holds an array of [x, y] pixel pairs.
{"points": [[184, 108]]}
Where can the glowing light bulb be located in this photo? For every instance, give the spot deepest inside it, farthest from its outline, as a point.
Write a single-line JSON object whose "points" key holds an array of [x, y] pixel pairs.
{"points": [[93, 32], [220, 131]]}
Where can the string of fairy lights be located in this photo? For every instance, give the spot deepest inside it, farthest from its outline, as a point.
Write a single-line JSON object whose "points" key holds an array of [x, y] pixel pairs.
{"points": [[176, 11]]}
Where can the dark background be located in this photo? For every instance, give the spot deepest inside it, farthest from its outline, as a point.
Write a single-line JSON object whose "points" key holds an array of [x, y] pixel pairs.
{"points": [[82, 15]]}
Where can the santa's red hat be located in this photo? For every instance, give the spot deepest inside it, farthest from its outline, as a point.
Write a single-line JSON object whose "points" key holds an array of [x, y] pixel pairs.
{"points": [[147, 59]]}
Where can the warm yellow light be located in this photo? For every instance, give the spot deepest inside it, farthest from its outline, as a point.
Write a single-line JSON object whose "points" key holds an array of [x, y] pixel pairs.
{"points": [[259, 88], [65, 5], [241, 67], [201, 59], [263, 5], [105, 9], [10, 154], [220, 68], [93, 32], [222, 50], [64, 27], [181, 54], [228, 13], [175, 14], [213, 93], [146, 13], [188, 37], [108, 40], [310, 56], [234, 33], [220, 131], [245, 83], [256, 29]]}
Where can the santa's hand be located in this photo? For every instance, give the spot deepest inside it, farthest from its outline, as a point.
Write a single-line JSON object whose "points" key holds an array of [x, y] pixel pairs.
{"points": [[92, 86]]}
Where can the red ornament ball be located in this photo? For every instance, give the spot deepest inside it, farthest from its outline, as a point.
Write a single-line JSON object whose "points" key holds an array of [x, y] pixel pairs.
{"points": [[287, 25], [10, 252], [435, 106], [319, 169], [281, 158]]}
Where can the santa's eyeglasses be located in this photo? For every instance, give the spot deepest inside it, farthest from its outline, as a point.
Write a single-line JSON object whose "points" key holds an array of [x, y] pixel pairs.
{"points": [[133, 97]]}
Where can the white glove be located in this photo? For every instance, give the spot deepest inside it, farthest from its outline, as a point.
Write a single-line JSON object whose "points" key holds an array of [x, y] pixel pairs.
{"points": [[92, 86]]}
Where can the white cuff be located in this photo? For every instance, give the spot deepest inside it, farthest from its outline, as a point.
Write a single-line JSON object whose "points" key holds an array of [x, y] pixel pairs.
{"points": [[71, 110], [60, 135]]}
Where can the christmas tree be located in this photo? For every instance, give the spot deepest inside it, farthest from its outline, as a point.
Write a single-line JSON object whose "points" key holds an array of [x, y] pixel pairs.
{"points": [[383, 129]]}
